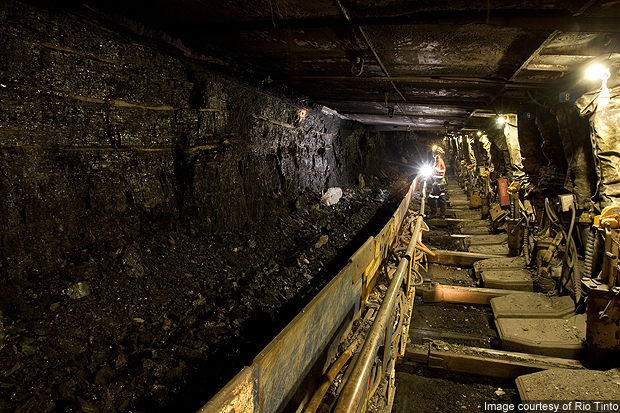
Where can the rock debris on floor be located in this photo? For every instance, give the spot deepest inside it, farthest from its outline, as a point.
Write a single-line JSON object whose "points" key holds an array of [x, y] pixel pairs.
{"points": [[167, 319]]}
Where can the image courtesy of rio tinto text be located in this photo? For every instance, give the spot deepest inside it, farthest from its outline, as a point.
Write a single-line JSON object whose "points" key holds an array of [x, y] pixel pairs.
{"points": [[556, 406]]}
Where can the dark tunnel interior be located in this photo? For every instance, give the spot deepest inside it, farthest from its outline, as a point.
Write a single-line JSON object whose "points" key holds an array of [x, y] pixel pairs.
{"points": [[166, 167]]}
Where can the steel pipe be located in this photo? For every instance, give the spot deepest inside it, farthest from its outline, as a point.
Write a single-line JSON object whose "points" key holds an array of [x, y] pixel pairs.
{"points": [[414, 238], [328, 379], [354, 388]]}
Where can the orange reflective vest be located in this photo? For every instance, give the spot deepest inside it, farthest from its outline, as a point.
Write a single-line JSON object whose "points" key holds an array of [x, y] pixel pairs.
{"points": [[440, 168]]}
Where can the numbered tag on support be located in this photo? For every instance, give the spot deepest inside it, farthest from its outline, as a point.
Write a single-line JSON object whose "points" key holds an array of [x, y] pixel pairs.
{"points": [[567, 97]]}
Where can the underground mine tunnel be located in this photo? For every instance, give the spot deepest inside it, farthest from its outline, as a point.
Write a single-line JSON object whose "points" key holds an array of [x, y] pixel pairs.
{"points": [[222, 206]]}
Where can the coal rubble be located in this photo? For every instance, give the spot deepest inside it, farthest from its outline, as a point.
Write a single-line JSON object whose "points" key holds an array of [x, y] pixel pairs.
{"points": [[168, 318]]}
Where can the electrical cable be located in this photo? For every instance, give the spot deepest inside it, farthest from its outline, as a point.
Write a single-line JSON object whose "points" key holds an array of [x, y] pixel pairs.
{"points": [[570, 257], [590, 249], [361, 67], [526, 238], [417, 283], [374, 385], [399, 324], [571, 248]]}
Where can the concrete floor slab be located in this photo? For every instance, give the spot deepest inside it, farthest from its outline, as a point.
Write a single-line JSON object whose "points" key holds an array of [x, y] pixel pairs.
{"points": [[549, 337], [459, 258], [458, 205], [508, 263], [459, 199], [437, 222], [534, 305], [471, 230], [569, 384], [472, 222], [453, 323], [519, 280], [494, 239], [467, 214], [500, 249]]}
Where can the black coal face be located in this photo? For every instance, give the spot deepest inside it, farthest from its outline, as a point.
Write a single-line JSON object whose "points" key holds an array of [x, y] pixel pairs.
{"points": [[160, 221]]}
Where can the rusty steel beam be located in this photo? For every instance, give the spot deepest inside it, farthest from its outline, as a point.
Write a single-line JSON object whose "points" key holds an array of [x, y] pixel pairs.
{"points": [[463, 295], [418, 101], [525, 19], [460, 258], [486, 362], [423, 79], [427, 116]]}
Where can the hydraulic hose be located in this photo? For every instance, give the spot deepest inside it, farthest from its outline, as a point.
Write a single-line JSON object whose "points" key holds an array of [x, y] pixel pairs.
{"points": [[577, 271], [526, 243], [329, 377], [571, 248], [378, 374], [551, 213], [577, 276], [589, 258], [418, 280], [570, 257]]}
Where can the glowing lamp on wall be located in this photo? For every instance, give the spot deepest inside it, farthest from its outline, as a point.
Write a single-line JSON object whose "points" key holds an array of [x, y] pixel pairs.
{"points": [[596, 72]]}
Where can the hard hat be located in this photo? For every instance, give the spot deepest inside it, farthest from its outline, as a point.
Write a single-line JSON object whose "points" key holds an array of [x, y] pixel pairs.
{"points": [[438, 149]]}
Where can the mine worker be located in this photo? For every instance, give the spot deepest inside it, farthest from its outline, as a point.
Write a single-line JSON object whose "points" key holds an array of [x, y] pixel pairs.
{"points": [[437, 196]]}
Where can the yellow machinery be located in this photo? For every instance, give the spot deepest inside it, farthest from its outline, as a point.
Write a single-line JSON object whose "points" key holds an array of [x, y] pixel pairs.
{"points": [[610, 215], [475, 200], [514, 223], [603, 330], [485, 201], [609, 222]]}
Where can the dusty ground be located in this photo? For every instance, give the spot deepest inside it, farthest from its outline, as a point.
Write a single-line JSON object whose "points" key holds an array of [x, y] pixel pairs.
{"points": [[454, 323], [449, 275], [421, 390], [166, 320]]}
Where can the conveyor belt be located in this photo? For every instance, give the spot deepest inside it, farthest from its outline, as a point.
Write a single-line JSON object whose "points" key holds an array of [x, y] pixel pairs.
{"points": [[285, 375], [340, 353]]}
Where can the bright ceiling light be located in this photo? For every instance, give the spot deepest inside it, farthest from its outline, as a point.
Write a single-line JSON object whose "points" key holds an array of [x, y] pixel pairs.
{"points": [[603, 97], [596, 72], [501, 120], [600, 72]]}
